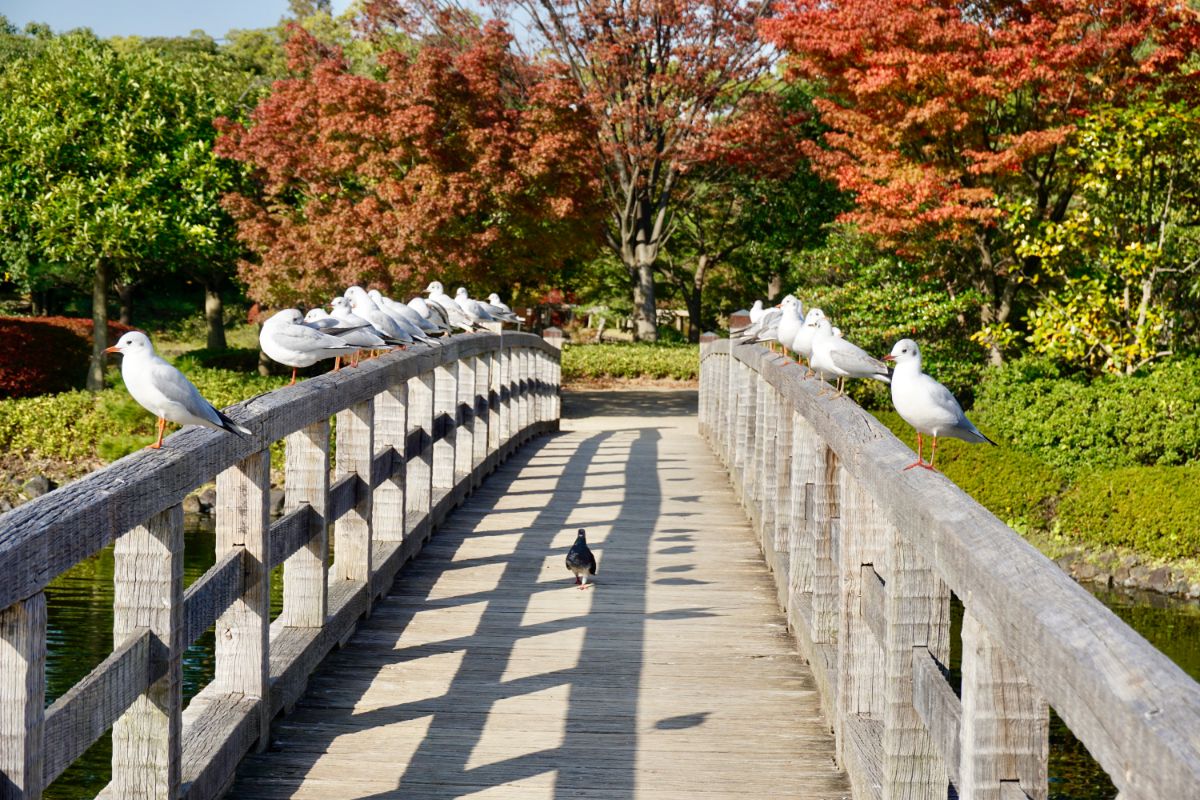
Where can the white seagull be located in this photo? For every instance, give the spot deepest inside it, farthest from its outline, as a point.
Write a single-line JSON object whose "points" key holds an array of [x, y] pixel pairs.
{"points": [[926, 404], [286, 339], [453, 313], [163, 390], [832, 355]]}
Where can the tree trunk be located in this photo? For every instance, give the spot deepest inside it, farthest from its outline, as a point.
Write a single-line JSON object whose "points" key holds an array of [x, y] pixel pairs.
{"points": [[214, 317], [695, 299], [644, 311], [95, 377], [125, 293], [774, 287]]}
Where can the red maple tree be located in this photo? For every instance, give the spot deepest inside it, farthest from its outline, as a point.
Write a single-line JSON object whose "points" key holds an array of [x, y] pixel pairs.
{"points": [[462, 161], [948, 116]]}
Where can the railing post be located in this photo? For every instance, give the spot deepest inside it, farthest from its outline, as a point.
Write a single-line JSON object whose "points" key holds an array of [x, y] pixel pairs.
{"points": [[1005, 724], [807, 474], [391, 434], [917, 614], [464, 414], [479, 403], [506, 402], [418, 485], [22, 698], [521, 381], [306, 482], [445, 400], [495, 413], [860, 655], [352, 532], [243, 519], [782, 476], [554, 336], [148, 593], [766, 464]]}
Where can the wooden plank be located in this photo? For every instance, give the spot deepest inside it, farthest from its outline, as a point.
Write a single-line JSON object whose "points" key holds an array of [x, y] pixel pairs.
{"points": [[388, 473], [445, 400], [419, 482], [939, 709], [243, 523], [1005, 733], [306, 569], [148, 593], [872, 602], [22, 696], [1100, 676], [352, 529], [464, 448], [219, 729], [212, 593], [44, 537], [289, 533], [864, 755], [88, 709], [917, 609]]}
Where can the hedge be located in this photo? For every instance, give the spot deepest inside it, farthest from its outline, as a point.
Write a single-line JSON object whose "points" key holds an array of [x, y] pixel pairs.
{"points": [[630, 360], [1154, 510], [42, 355]]}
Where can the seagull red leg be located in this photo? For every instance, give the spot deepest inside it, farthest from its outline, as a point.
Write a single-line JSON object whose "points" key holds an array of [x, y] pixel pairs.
{"points": [[932, 456], [162, 426], [920, 462], [293, 383]]}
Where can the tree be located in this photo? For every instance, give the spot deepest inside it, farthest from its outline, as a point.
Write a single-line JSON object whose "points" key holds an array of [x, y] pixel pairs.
{"points": [[1119, 265], [99, 148], [661, 83], [947, 115], [461, 161]]}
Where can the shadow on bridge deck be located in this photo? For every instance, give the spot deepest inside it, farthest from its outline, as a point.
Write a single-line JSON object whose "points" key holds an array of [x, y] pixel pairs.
{"points": [[485, 673]]}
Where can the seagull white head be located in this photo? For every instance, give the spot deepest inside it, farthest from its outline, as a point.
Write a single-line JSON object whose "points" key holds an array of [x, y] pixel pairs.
{"points": [[813, 318], [315, 314], [434, 287], [340, 302], [904, 351], [289, 316], [494, 299], [134, 342], [461, 292], [355, 291]]}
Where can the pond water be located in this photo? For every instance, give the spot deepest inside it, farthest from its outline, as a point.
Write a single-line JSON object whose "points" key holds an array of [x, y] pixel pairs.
{"points": [[79, 605]]}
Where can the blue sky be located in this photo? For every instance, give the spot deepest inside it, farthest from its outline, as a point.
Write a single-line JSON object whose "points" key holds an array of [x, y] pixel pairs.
{"points": [[150, 17]]}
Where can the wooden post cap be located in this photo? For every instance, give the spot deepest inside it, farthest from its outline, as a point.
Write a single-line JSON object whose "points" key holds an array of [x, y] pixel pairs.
{"points": [[739, 319], [554, 336], [708, 336]]}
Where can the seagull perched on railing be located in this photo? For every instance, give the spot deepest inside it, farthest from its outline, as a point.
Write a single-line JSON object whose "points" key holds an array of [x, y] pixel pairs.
{"points": [[286, 339], [832, 355], [454, 314], [494, 305], [164, 391], [926, 404]]}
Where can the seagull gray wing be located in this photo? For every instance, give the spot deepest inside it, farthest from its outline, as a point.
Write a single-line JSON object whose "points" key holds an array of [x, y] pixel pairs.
{"points": [[307, 340], [174, 386], [854, 360]]}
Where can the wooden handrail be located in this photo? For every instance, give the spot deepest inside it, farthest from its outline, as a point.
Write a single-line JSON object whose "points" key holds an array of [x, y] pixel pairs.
{"points": [[385, 503], [824, 483]]}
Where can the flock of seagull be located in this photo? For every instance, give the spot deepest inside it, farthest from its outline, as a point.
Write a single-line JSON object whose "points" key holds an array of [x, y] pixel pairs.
{"points": [[920, 400], [359, 320]]}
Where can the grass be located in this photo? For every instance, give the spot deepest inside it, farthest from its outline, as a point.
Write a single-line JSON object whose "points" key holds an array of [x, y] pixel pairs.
{"points": [[629, 361]]}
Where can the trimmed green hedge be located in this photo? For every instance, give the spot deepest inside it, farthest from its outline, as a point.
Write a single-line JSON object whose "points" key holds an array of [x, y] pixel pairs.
{"points": [[1146, 419], [1154, 510], [630, 360]]}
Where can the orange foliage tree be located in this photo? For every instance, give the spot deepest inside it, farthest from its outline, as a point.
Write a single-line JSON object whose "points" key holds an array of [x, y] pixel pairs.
{"points": [[951, 122], [459, 160]]}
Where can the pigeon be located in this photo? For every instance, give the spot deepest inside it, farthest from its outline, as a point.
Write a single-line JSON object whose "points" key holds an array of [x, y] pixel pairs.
{"points": [[286, 339], [834, 356], [164, 391], [581, 561], [926, 404]]}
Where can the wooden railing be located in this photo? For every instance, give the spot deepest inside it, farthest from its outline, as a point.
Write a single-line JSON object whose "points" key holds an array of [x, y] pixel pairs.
{"points": [[865, 557], [415, 432]]}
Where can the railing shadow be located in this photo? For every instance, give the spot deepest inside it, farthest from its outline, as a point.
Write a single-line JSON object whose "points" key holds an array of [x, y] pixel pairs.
{"points": [[483, 700]]}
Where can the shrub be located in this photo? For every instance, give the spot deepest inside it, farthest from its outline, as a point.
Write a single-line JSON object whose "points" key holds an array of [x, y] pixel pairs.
{"points": [[1017, 487], [637, 360], [1155, 510], [46, 354], [1111, 421]]}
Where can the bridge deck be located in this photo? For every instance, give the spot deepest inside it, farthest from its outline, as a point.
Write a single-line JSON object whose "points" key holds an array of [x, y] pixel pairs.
{"points": [[486, 674]]}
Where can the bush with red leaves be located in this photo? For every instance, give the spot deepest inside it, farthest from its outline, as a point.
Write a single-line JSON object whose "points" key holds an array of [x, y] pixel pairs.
{"points": [[42, 355]]}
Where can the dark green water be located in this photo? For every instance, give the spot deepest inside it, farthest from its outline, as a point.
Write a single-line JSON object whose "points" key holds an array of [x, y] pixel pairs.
{"points": [[80, 637]]}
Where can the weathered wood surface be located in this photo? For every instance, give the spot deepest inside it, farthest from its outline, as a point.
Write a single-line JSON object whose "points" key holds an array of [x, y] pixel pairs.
{"points": [[1135, 710], [486, 673]]}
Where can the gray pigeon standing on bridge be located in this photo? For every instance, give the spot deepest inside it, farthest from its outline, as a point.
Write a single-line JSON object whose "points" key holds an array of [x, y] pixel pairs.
{"points": [[581, 561]]}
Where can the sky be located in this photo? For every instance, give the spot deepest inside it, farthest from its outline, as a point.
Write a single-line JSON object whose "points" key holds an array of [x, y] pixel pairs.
{"points": [[150, 17]]}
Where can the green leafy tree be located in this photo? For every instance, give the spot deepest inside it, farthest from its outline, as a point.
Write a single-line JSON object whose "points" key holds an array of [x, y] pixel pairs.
{"points": [[1119, 267], [100, 147]]}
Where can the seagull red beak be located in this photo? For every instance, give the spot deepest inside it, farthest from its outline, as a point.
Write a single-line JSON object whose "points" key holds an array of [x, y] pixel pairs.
{"points": [[113, 349], [889, 357]]}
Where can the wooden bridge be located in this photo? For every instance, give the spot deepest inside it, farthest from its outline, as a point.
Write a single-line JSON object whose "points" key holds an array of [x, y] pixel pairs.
{"points": [[794, 645]]}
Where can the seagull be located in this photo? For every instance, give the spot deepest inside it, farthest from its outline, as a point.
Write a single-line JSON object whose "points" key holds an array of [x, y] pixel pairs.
{"points": [[756, 312], [286, 339], [790, 321], [505, 312], [350, 329], [409, 321], [454, 315], [926, 404], [472, 308], [802, 344], [834, 356], [581, 561], [164, 391]]}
